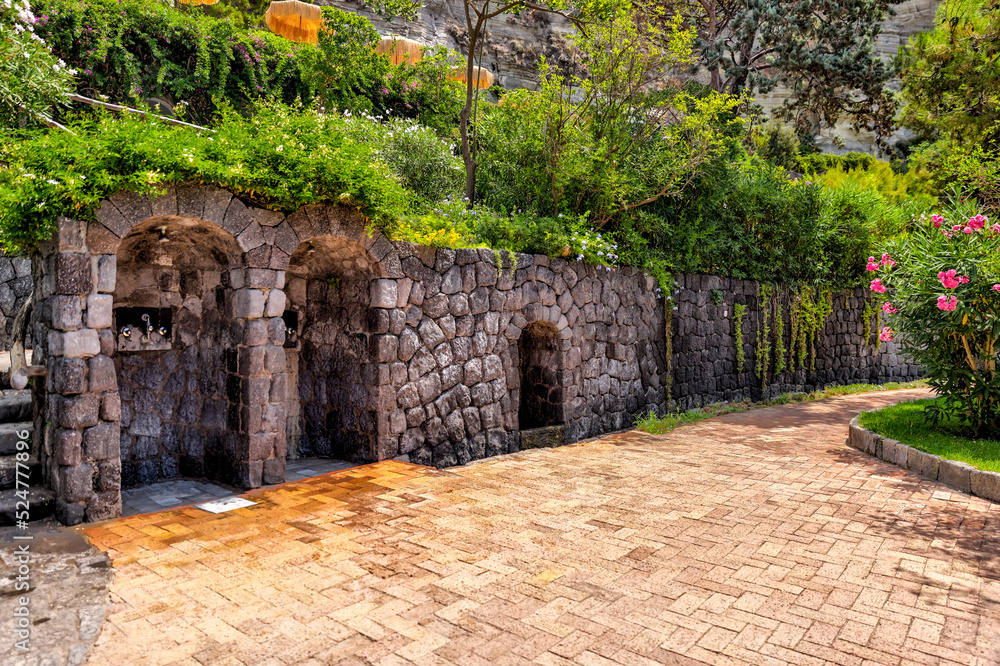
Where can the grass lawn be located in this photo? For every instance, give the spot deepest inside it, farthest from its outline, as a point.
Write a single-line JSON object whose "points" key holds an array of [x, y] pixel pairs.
{"points": [[905, 422], [660, 425]]}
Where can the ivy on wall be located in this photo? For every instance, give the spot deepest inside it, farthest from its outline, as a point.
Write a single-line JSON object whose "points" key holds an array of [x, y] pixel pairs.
{"points": [[763, 361], [738, 312]]}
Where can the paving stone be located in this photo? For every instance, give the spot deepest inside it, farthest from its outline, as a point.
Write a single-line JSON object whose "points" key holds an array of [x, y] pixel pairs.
{"points": [[723, 542]]}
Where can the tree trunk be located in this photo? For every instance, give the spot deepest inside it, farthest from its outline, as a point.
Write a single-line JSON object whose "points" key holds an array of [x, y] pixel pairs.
{"points": [[463, 117]]}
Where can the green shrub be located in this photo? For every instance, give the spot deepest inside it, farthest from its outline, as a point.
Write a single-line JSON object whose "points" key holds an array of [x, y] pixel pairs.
{"points": [[945, 285], [817, 162], [778, 144], [425, 163], [135, 49], [281, 159], [32, 80]]}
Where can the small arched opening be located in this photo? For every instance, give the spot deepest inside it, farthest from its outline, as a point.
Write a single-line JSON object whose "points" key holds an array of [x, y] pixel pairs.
{"points": [[542, 399], [333, 383], [172, 345]]}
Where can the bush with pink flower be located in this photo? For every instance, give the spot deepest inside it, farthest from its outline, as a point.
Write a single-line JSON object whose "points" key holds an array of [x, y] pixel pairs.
{"points": [[942, 291]]}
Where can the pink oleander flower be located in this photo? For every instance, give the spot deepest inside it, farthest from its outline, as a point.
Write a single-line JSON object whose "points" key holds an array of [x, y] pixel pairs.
{"points": [[956, 227], [963, 280], [887, 334], [937, 221], [949, 280], [887, 260], [995, 228], [947, 305], [877, 286], [978, 221], [996, 287], [967, 230], [872, 266], [947, 234], [888, 308]]}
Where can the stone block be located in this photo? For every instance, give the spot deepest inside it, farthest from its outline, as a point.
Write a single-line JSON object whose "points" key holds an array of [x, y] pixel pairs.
{"points": [[538, 438], [145, 425], [985, 484], [275, 306], [77, 482], [73, 274], [83, 343], [112, 219], [99, 310], [102, 441], [101, 240], [111, 407], [275, 360], [70, 513], [69, 375], [78, 411], [274, 470], [249, 303], [384, 293], [260, 278], [107, 272], [67, 449], [251, 238], [955, 474], [102, 374], [430, 333], [923, 463], [104, 505]]}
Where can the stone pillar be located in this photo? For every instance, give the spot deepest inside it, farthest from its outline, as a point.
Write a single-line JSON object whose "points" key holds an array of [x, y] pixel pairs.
{"points": [[257, 378], [80, 435]]}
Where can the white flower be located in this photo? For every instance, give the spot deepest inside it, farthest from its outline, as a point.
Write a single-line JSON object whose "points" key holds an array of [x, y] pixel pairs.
{"points": [[52, 182], [279, 148]]}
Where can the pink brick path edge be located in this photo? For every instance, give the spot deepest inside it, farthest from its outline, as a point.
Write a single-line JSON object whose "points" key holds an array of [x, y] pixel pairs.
{"points": [[756, 538]]}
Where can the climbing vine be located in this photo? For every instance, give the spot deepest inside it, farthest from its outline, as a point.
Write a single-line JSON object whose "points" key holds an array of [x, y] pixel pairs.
{"points": [[764, 336], [808, 313], [779, 336], [738, 312], [867, 316]]}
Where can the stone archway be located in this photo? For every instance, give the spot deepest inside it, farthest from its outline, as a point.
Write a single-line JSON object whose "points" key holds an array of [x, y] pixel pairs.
{"points": [[332, 406], [542, 399], [173, 334], [80, 409]]}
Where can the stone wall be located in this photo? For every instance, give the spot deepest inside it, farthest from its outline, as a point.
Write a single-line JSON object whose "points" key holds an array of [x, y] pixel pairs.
{"points": [[447, 342], [311, 333], [15, 287], [704, 349]]}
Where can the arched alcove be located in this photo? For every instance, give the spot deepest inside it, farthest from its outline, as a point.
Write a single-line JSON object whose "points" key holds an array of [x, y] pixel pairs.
{"points": [[334, 389], [172, 344], [542, 398]]}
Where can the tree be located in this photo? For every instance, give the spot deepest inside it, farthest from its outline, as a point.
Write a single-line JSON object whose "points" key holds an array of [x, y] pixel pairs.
{"points": [[477, 14], [611, 141], [823, 50], [32, 81], [951, 75]]}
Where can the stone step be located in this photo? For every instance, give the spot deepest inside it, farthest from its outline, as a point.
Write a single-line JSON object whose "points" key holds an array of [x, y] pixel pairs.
{"points": [[8, 472], [41, 504], [9, 437], [15, 406]]}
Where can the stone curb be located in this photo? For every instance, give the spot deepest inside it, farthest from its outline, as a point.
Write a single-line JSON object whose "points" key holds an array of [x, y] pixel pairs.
{"points": [[951, 473]]}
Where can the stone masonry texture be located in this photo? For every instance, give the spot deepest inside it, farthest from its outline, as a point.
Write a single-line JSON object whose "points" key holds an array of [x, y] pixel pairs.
{"points": [[704, 345], [390, 350]]}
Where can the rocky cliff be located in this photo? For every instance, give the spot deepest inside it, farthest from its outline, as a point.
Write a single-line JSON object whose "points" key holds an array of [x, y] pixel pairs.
{"points": [[514, 45]]}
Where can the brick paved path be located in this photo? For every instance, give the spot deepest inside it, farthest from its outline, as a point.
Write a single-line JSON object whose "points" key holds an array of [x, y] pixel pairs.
{"points": [[755, 538]]}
